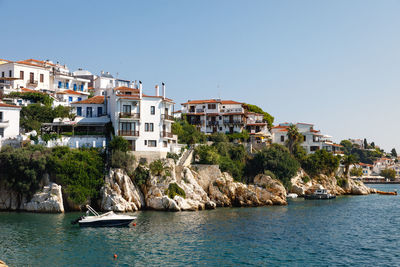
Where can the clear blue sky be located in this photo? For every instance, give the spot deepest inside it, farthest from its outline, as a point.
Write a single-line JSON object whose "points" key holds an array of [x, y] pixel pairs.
{"points": [[332, 63]]}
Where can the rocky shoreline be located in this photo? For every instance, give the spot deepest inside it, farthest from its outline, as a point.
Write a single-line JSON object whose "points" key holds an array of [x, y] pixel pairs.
{"points": [[203, 187]]}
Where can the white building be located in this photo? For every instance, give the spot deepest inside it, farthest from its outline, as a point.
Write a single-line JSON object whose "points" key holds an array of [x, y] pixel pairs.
{"points": [[144, 120], [313, 139], [224, 116], [66, 97], [105, 81], [9, 121]]}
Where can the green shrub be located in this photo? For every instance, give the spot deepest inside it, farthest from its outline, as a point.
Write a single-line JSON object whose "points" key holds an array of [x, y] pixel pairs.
{"points": [[158, 168], [321, 162], [356, 172], [218, 138], [341, 181], [32, 116], [119, 143], [243, 136], [122, 160], [35, 97], [174, 189], [305, 179], [187, 133], [173, 156], [141, 175], [276, 159], [207, 154]]}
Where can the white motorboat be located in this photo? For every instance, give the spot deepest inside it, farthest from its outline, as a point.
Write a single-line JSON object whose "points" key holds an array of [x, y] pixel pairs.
{"points": [[320, 194], [109, 219], [291, 195]]}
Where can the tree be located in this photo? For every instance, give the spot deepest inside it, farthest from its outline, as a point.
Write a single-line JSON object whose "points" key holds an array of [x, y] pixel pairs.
{"points": [[394, 153], [365, 143], [321, 162], [294, 137], [388, 174], [187, 133], [372, 144], [347, 146], [358, 172], [276, 159], [347, 161]]}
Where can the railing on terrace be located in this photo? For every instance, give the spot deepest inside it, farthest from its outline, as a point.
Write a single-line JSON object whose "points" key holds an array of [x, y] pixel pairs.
{"points": [[196, 122], [233, 122], [212, 123], [229, 110], [30, 82], [129, 115], [200, 110], [167, 117], [128, 133], [166, 134]]}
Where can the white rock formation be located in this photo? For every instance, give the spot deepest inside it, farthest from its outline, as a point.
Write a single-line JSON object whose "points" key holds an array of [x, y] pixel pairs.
{"points": [[119, 193], [49, 199]]}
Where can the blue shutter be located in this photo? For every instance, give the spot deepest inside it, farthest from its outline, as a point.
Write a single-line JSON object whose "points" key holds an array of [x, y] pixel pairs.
{"points": [[81, 87], [67, 85], [79, 98], [59, 84], [99, 111], [79, 111], [70, 99], [74, 86]]}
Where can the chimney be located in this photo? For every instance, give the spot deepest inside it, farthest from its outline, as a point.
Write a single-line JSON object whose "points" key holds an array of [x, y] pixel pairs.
{"points": [[140, 90], [163, 90], [157, 91]]}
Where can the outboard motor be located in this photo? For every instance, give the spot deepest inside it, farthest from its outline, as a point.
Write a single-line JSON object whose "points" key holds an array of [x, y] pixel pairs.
{"points": [[77, 220]]}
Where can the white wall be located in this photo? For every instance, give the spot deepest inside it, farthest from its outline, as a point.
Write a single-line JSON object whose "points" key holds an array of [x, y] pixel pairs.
{"points": [[10, 122]]}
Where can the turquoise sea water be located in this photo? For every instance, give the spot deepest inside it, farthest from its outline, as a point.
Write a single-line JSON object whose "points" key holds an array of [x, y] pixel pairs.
{"points": [[349, 230]]}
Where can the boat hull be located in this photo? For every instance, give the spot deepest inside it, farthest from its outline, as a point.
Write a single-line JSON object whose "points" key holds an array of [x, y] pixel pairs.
{"points": [[107, 223]]}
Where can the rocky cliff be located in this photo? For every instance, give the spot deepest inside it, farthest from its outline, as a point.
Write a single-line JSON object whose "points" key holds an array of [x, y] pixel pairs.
{"points": [[204, 187], [302, 185], [49, 199]]}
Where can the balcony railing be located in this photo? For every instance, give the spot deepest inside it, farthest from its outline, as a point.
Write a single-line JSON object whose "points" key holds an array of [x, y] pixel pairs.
{"points": [[32, 82], [233, 122], [230, 110], [167, 117], [129, 115], [196, 122], [212, 123], [128, 133], [166, 134]]}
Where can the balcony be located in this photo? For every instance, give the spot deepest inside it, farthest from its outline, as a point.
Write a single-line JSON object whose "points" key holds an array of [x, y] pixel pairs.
{"points": [[166, 134], [32, 83], [129, 115], [235, 122], [212, 123], [128, 133], [196, 122], [167, 117], [4, 124], [231, 110]]}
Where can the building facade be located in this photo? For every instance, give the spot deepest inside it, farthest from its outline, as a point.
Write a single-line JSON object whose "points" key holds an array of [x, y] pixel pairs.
{"points": [[9, 120]]}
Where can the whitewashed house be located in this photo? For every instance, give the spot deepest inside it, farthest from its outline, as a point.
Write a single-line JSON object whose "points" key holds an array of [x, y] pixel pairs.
{"points": [[66, 97], [9, 121], [144, 120], [313, 139]]}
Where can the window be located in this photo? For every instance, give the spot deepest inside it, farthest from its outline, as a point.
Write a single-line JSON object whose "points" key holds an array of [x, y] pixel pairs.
{"points": [[165, 143], [149, 127], [70, 99], [79, 111], [1, 116], [31, 77], [21, 75], [152, 143], [59, 84], [89, 112], [99, 111], [79, 98], [212, 106], [126, 109], [81, 87], [41, 78], [2, 74], [75, 87], [145, 142], [67, 85], [305, 139], [152, 110], [282, 138], [1, 132], [10, 73]]}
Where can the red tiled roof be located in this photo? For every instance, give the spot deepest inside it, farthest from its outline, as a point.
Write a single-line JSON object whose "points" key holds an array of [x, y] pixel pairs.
{"points": [[5, 60], [28, 63], [226, 102], [29, 90], [69, 92], [124, 88], [39, 61], [280, 127], [364, 164], [9, 106], [93, 100]]}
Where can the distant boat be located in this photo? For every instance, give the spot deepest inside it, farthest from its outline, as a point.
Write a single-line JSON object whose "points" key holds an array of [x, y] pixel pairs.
{"points": [[109, 219], [291, 195], [320, 194]]}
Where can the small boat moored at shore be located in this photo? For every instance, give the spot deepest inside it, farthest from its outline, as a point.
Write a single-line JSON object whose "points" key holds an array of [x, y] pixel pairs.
{"points": [[320, 194], [109, 219], [387, 193], [292, 195]]}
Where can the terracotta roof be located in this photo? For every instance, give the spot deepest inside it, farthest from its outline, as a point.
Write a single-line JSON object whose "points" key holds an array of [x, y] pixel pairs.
{"points": [[29, 90], [124, 88], [364, 164], [28, 63], [9, 106], [94, 100], [39, 61], [69, 92], [179, 111], [280, 127], [5, 60], [207, 101]]}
